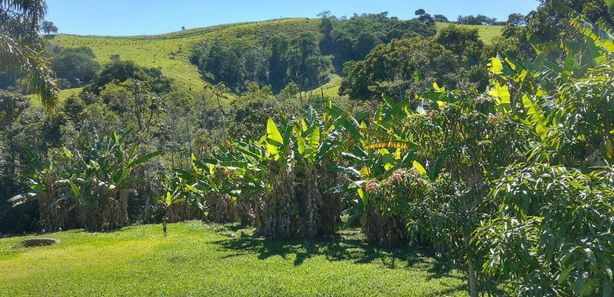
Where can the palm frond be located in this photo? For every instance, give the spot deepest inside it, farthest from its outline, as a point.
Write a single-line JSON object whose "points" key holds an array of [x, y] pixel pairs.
{"points": [[32, 66], [33, 10]]}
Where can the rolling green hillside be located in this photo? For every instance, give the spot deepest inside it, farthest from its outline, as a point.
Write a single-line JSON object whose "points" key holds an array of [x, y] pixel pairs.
{"points": [[171, 51]]}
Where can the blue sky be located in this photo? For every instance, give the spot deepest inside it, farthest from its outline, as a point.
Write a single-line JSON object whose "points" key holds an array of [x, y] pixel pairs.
{"points": [[136, 17]]}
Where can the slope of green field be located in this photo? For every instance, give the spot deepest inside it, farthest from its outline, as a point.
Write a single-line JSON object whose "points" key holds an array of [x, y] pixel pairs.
{"points": [[196, 259], [487, 33], [171, 52]]}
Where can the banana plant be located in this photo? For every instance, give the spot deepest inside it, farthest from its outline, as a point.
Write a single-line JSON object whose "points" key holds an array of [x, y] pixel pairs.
{"points": [[51, 192], [281, 211], [102, 180], [91, 187], [216, 180], [318, 141], [178, 200], [380, 145]]}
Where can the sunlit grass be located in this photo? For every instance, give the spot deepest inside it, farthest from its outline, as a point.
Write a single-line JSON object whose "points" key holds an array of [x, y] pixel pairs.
{"points": [[487, 33], [201, 260], [329, 90]]}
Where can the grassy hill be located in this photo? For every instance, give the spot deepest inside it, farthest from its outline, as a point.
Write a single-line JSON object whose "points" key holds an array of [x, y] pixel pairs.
{"points": [[487, 33], [196, 259], [171, 51]]}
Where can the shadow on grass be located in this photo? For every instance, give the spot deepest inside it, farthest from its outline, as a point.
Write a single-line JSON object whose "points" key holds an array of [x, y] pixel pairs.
{"points": [[347, 246]]}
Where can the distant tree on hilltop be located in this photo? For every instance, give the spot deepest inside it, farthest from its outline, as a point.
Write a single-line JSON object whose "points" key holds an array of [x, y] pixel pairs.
{"points": [[424, 17], [516, 19], [440, 18], [49, 28]]}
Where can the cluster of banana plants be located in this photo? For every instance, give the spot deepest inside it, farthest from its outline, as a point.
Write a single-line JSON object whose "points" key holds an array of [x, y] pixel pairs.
{"points": [[278, 182], [50, 191], [86, 188]]}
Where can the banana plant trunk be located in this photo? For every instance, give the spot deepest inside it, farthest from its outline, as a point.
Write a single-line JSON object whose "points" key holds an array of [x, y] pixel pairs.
{"points": [[332, 205], [313, 206], [53, 215], [123, 207], [221, 209], [279, 217]]}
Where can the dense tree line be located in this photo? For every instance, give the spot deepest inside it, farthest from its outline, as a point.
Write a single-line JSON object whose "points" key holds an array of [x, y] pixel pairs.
{"points": [[353, 38], [453, 59], [74, 67], [305, 60], [477, 20], [278, 62]]}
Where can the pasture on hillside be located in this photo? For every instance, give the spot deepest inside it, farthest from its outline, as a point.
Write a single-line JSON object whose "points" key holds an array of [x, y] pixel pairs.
{"points": [[487, 33], [170, 52]]}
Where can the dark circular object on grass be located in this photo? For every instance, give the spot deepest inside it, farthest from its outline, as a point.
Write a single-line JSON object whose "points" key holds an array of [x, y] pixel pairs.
{"points": [[40, 242]]}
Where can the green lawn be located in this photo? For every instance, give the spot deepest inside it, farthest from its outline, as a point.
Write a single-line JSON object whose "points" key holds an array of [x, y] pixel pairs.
{"points": [[202, 260]]}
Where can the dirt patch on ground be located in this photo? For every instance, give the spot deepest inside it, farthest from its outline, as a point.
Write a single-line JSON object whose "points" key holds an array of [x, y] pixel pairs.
{"points": [[34, 242]]}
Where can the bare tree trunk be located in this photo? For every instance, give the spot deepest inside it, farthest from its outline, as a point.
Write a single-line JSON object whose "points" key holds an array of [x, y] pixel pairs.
{"points": [[471, 273], [137, 109], [147, 212], [123, 207]]}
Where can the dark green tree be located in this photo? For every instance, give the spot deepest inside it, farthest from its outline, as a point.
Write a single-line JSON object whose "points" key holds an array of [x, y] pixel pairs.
{"points": [[49, 28], [391, 69], [75, 65]]}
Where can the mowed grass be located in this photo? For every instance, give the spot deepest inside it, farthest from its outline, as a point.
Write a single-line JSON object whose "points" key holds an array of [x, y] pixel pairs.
{"points": [[196, 259], [171, 52], [487, 33]]}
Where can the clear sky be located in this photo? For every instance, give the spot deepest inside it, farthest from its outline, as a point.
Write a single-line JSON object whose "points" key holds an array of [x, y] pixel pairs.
{"points": [[140, 17]]}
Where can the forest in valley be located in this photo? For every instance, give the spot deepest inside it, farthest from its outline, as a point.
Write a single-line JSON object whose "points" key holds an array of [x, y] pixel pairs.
{"points": [[489, 155]]}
